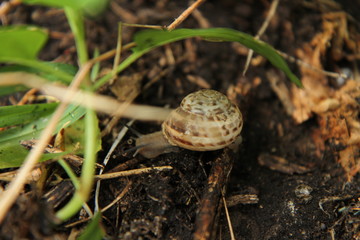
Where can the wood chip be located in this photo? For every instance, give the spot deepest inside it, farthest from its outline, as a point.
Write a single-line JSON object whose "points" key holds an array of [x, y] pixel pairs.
{"points": [[280, 164], [201, 82], [208, 210]]}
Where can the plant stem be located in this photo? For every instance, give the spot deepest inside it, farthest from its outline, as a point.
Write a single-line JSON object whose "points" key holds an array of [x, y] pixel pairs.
{"points": [[76, 21]]}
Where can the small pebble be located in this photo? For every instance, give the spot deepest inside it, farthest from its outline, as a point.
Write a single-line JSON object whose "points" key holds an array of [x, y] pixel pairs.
{"points": [[303, 192]]}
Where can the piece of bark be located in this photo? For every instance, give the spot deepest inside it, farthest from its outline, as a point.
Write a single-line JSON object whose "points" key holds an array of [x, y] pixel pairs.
{"points": [[280, 164], [210, 202], [281, 90]]}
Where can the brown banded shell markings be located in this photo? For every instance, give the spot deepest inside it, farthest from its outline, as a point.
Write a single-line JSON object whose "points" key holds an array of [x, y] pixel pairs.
{"points": [[206, 120]]}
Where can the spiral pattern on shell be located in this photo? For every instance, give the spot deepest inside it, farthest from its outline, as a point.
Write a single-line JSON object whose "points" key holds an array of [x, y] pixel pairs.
{"points": [[206, 120]]}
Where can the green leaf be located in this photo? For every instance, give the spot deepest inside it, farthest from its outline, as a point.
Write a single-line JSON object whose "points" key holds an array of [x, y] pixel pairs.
{"points": [[44, 68], [90, 7], [94, 8], [21, 45], [14, 115], [75, 138], [82, 193], [76, 21], [54, 67], [95, 70], [68, 69], [6, 90], [56, 3], [149, 39], [12, 153], [93, 230], [21, 41]]}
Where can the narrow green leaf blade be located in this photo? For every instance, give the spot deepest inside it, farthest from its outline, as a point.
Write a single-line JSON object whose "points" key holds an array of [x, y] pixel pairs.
{"points": [[93, 230], [90, 7], [14, 115], [56, 3], [149, 39], [6, 90], [53, 71], [12, 153]]}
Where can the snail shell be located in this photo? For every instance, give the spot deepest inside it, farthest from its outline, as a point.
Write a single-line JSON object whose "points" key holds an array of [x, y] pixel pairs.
{"points": [[205, 120]]}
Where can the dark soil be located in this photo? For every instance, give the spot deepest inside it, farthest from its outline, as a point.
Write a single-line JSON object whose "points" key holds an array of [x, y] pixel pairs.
{"points": [[164, 205]]}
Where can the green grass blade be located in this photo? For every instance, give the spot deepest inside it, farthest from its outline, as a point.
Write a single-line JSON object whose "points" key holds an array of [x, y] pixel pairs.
{"points": [[92, 133], [90, 7], [6, 90], [93, 230], [147, 40], [53, 71], [76, 22], [124, 64], [44, 68], [14, 115], [12, 153], [56, 3]]}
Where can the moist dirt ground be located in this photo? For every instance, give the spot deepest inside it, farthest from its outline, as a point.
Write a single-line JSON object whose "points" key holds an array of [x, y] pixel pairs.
{"points": [[287, 180]]}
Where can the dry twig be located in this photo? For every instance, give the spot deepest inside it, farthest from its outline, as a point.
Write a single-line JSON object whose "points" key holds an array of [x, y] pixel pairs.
{"points": [[106, 160], [184, 15], [132, 172], [232, 235], [91, 100], [261, 31], [208, 210], [9, 196]]}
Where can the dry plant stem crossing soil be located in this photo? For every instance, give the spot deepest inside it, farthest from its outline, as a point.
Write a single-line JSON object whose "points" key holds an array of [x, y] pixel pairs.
{"points": [[300, 148]]}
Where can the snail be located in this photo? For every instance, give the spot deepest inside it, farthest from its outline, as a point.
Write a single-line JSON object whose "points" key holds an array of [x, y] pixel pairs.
{"points": [[206, 120]]}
